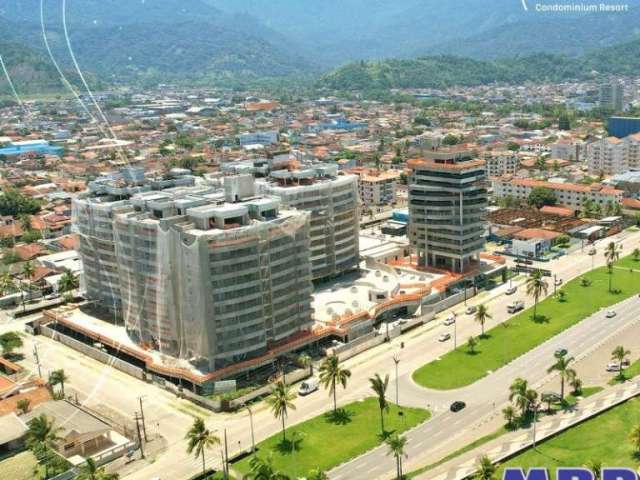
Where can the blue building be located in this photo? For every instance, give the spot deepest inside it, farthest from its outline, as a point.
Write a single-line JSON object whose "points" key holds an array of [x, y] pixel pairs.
{"points": [[623, 126], [40, 147]]}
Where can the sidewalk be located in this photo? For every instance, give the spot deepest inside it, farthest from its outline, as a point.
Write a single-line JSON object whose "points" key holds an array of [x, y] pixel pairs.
{"points": [[509, 444]]}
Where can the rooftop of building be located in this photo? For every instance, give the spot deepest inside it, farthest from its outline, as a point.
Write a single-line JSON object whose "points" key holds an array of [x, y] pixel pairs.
{"points": [[574, 187]]}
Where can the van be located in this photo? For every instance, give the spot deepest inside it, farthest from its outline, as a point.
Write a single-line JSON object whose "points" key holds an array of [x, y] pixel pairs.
{"points": [[308, 386], [516, 306]]}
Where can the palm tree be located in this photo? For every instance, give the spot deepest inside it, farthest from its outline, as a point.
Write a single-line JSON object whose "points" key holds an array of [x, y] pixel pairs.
{"points": [[634, 436], [23, 405], [481, 316], [536, 287], [280, 401], [67, 282], [620, 354], [596, 467], [611, 255], [379, 386], [263, 469], [396, 444], [28, 270], [562, 367], [199, 438], [517, 394], [42, 436], [58, 377], [304, 360], [90, 471], [509, 414], [25, 222], [636, 254], [575, 382], [486, 468], [331, 373], [471, 344]]}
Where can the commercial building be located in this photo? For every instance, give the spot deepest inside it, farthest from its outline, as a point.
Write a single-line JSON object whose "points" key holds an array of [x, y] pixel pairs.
{"points": [[332, 202], [38, 147], [501, 163], [215, 277], [623, 126], [568, 194], [447, 208], [611, 95]]}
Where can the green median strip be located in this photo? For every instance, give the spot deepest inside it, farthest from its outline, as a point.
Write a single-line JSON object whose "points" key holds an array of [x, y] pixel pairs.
{"points": [[520, 333], [328, 440]]}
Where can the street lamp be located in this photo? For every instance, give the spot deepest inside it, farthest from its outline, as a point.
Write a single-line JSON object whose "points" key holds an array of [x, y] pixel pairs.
{"points": [[396, 360]]}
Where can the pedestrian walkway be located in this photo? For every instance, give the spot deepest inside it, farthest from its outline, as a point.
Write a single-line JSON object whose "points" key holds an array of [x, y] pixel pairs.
{"points": [[510, 444]]}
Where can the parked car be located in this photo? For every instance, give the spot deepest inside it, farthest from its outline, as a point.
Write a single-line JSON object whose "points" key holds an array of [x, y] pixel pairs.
{"points": [[471, 309], [511, 290], [444, 337], [613, 367], [516, 306], [457, 406], [308, 386], [450, 320], [611, 314]]}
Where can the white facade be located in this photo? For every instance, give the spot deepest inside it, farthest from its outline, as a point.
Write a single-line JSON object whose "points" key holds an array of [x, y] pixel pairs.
{"points": [[613, 156], [501, 163]]}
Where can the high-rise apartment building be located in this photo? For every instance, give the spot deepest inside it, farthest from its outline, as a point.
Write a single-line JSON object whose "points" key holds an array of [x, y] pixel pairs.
{"points": [[613, 156], [498, 163], [447, 208], [204, 274], [332, 201], [611, 95]]}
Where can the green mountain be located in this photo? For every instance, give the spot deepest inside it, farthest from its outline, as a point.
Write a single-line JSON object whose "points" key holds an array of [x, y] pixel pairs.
{"points": [[445, 70]]}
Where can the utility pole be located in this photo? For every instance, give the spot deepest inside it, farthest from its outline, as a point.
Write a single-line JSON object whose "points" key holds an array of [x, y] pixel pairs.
{"points": [[555, 284], [396, 360], [144, 427], [35, 354], [226, 456], [253, 442], [137, 418]]}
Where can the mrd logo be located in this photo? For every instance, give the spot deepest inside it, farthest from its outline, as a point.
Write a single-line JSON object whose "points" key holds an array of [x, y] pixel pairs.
{"points": [[609, 473]]}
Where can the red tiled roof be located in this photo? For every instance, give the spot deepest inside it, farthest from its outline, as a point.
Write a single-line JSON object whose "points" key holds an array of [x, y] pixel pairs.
{"points": [[532, 233], [29, 251], [564, 212]]}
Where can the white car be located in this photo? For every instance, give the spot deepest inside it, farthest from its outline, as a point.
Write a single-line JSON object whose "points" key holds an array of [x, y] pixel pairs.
{"points": [[613, 367], [444, 337], [511, 290], [611, 314], [471, 309], [450, 320]]}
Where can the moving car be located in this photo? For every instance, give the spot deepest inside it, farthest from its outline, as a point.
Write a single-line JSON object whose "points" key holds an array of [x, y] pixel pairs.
{"points": [[516, 306], [450, 320], [613, 367], [511, 290], [457, 406], [471, 309], [444, 337], [308, 386], [611, 314]]}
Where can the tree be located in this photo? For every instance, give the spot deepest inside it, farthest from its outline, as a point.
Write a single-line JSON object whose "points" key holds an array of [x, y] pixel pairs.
{"points": [[562, 296], [634, 436], [304, 360], [68, 282], [471, 344], [332, 373], [28, 271], [486, 468], [379, 386], [518, 394], [536, 287], [636, 254], [611, 255], [596, 467], [481, 316], [9, 342], [513, 146], [450, 140], [510, 416], [397, 444], [280, 401], [200, 438], [23, 405], [263, 469], [317, 474], [541, 196], [42, 437], [576, 385], [58, 377], [7, 284], [562, 367], [90, 471], [564, 123], [619, 354]]}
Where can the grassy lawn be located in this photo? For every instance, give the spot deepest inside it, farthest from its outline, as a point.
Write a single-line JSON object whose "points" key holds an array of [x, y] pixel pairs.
{"points": [[19, 467], [604, 438], [521, 333], [325, 442]]}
